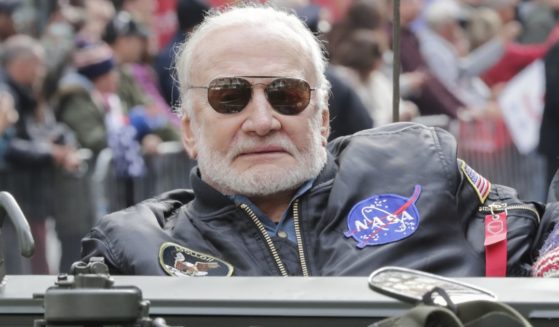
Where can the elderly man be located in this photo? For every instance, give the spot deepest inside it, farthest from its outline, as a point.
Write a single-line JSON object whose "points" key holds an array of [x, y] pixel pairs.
{"points": [[270, 197]]}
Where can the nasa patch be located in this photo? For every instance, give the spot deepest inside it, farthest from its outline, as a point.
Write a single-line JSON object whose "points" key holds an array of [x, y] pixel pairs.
{"points": [[383, 219], [177, 260]]}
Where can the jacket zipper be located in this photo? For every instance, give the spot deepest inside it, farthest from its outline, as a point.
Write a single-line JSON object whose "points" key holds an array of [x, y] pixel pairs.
{"points": [[299, 239], [267, 237], [270, 243], [497, 207]]}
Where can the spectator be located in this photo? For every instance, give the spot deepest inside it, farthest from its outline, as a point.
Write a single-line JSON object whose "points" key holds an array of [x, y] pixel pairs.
{"points": [[14, 263], [39, 143], [143, 12], [433, 97], [549, 130], [89, 104], [361, 14], [485, 24], [441, 43], [80, 98], [348, 114], [371, 15], [57, 38], [8, 115], [538, 20], [142, 102], [360, 61], [190, 13], [125, 36], [98, 13], [7, 24]]}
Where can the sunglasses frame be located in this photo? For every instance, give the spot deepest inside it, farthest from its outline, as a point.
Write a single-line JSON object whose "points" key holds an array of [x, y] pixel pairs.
{"points": [[244, 78]]}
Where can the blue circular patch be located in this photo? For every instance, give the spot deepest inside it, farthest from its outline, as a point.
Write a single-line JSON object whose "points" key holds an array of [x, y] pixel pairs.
{"points": [[383, 219]]}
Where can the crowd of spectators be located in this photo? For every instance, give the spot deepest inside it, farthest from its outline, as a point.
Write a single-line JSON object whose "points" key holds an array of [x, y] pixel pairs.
{"points": [[96, 74]]}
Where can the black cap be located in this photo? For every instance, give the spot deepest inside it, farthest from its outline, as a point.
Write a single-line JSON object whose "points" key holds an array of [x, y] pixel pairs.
{"points": [[191, 13], [123, 24]]}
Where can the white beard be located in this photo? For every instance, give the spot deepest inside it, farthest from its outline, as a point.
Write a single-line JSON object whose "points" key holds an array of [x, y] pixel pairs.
{"points": [[216, 168]]}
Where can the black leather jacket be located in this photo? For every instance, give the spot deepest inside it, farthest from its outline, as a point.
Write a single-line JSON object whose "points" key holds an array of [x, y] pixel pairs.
{"points": [[423, 213]]}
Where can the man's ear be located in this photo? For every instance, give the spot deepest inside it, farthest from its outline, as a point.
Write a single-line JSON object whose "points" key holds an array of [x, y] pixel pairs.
{"points": [[188, 137], [325, 128]]}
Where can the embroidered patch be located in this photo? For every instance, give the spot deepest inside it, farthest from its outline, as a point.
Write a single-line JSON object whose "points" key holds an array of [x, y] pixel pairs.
{"points": [[177, 260], [382, 219], [480, 184]]}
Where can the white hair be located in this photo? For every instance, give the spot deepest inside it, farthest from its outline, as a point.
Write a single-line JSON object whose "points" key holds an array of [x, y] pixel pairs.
{"points": [[21, 46], [441, 12], [292, 28]]}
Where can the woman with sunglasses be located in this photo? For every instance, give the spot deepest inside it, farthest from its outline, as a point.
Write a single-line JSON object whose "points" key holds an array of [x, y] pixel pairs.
{"points": [[271, 197]]}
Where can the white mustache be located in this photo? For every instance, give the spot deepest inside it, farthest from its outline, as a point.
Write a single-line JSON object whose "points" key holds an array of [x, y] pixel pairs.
{"points": [[249, 144]]}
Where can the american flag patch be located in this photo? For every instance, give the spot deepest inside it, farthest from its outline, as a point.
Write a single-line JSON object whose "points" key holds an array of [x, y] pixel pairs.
{"points": [[480, 184]]}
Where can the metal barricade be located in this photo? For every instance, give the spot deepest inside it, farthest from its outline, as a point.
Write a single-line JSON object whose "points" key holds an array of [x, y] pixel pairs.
{"points": [[484, 145], [167, 170], [488, 148]]}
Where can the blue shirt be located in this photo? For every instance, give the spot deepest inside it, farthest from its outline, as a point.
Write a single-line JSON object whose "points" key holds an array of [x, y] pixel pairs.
{"points": [[285, 225]]}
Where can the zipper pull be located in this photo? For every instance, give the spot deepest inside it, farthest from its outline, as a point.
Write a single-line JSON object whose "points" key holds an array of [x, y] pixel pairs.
{"points": [[497, 207]]}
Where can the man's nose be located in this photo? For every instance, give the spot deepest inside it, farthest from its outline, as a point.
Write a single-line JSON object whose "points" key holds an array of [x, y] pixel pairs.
{"points": [[261, 117]]}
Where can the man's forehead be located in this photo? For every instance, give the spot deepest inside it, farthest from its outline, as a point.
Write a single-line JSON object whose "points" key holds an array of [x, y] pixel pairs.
{"points": [[246, 51], [248, 36]]}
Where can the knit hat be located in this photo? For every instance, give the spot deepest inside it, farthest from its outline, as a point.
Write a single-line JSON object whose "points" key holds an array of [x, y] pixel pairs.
{"points": [[93, 60], [547, 264], [190, 13]]}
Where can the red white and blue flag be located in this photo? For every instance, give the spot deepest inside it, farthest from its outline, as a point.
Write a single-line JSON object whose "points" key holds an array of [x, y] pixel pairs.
{"points": [[480, 184]]}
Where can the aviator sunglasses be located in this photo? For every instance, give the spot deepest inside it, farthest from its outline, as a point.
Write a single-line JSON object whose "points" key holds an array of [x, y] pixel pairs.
{"points": [[229, 95]]}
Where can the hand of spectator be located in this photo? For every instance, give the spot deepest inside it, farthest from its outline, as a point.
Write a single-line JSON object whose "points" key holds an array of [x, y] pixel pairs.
{"points": [[150, 143], [72, 162], [510, 31], [497, 89], [66, 157], [415, 80], [409, 111], [58, 153], [8, 114], [490, 111]]}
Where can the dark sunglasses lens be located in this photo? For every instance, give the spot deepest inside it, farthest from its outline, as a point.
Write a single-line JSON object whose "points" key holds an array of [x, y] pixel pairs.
{"points": [[289, 96], [229, 95]]}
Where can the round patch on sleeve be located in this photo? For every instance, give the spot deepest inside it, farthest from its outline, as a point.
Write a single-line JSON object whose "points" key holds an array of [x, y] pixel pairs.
{"points": [[383, 219], [177, 260]]}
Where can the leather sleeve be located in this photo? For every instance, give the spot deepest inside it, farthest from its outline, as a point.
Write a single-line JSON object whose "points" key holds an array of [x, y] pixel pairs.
{"points": [[523, 220], [133, 229]]}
